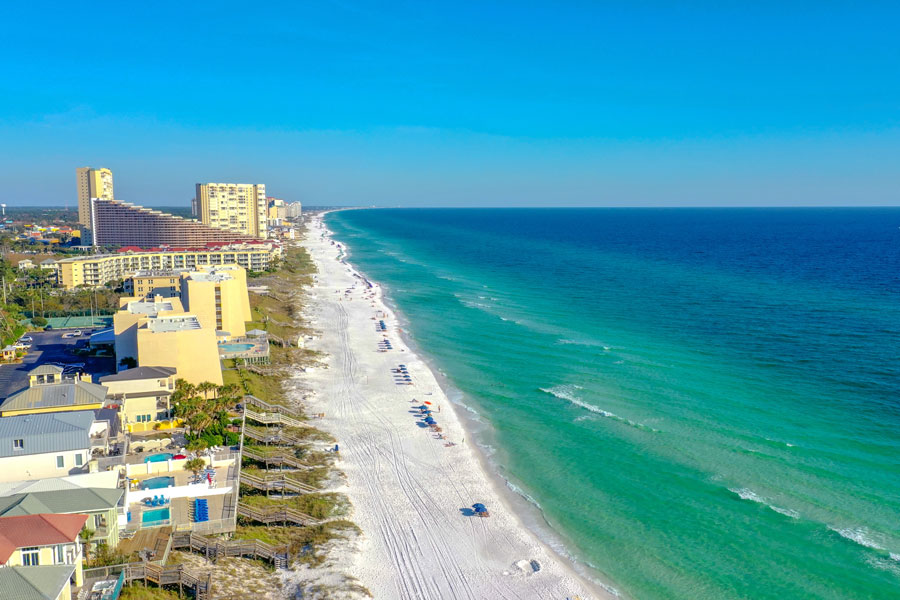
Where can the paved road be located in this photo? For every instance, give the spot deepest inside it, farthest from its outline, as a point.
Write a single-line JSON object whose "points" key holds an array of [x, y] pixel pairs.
{"points": [[50, 347]]}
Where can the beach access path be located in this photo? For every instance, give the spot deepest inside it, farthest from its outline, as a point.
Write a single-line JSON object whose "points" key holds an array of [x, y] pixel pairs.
{"points": [[411, 492]]}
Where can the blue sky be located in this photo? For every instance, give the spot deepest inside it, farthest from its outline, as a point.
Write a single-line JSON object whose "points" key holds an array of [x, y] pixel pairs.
{"points": [[468, 104]]}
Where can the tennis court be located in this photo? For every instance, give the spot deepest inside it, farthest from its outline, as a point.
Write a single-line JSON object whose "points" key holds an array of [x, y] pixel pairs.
{"points": [[79, 322]]}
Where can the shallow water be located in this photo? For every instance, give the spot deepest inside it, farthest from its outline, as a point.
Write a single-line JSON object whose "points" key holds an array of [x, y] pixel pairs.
{"points": [[704, 402]]}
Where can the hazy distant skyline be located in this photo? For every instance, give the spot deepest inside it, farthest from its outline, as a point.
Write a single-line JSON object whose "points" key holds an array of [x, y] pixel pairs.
{"points": [[458, 104]]}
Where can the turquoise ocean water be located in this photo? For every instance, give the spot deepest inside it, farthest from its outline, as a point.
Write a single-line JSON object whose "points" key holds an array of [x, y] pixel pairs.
{"points": [[704, 404]]}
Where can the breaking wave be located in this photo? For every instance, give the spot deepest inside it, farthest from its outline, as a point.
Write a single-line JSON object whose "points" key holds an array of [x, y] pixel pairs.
{"points": [[748, 494], [567, 393]]}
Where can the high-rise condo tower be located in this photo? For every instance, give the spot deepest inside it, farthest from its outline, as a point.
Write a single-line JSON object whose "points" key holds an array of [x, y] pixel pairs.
{"points": [[238, 207], [92, 183]]}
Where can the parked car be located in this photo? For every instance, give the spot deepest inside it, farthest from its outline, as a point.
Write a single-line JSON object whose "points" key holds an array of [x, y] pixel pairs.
{"points": [[26, 339]]}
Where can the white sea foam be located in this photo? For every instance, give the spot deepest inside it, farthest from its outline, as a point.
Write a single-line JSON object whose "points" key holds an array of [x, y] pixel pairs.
{"points": [[786, 512], [748, 494], [860, 535], [521, 492], [567, 392]]}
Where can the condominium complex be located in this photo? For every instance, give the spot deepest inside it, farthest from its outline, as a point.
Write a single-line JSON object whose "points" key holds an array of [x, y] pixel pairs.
{"points": [[238, 207], [117, 223], [159, 333], [103, 268], [92, 183], [217, 295]]}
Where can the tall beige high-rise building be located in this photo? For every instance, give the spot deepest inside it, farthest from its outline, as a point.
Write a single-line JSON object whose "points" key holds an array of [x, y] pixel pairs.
{"points": [[238, 207], [92, 183]]}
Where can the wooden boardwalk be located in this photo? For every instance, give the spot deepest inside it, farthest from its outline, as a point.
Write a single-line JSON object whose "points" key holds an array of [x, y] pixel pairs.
{"points": [[276, 484], [280, 458], [214, 548], [201, 585]]}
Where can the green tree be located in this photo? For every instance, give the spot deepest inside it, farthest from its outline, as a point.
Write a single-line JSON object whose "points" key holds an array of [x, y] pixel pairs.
{"points": [[195, 465]]}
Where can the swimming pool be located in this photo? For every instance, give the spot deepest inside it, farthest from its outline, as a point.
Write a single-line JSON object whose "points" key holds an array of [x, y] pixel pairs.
{"points": [[229, 348], [155, 515], [156, 483], [158, 457]]}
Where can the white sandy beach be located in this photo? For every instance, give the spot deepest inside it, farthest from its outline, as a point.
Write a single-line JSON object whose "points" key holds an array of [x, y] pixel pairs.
{"points": [[408, 488]]}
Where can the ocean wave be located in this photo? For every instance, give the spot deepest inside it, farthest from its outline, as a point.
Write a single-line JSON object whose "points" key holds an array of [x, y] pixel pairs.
{"points": [[860, 535], [748, 494], [885, 565], [569, 342], [567, 393], [516, 489]]}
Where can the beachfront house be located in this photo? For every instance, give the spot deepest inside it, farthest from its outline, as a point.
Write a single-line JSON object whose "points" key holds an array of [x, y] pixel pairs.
{"points": [[142, 395], [101, 506], [38, 583], [42, 540], [51, 390], [37, 446]]}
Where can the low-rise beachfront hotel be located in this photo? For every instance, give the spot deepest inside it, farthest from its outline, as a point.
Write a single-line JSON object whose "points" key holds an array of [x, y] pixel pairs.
{"points": [[101, 269]]}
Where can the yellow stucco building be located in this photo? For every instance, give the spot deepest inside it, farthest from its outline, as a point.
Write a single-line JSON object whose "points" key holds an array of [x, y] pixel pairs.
{"points": [[239, 207], [159, 333], [142, 395], [92, 183], [43, 541], [100, 269]]}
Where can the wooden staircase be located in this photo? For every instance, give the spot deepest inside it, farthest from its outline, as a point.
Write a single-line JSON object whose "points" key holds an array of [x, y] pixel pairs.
{"points": [[274, 418], [275, 459], [281, 484], [267, 437], [213, 548], [167, 576]]}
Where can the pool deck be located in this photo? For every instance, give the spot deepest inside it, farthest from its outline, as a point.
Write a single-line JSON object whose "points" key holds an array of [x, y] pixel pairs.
{"points": [[182, 477], [155, 539]]}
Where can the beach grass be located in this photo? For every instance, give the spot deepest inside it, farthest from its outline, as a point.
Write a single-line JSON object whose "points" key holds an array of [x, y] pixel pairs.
{"points": [[304, 542], [320, 506]]}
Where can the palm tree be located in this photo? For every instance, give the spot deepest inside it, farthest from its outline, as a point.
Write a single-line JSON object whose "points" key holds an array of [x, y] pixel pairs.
{"points": [[85, 535], [206, 387], [195, 465]]}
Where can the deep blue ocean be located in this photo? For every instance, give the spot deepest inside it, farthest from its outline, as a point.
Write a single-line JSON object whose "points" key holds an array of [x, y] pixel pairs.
{"points": [[703, 403]]}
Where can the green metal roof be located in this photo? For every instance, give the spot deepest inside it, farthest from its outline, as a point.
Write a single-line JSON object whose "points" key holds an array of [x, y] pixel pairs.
{"points": [[56, 395], [61, 502], [34, 583]]}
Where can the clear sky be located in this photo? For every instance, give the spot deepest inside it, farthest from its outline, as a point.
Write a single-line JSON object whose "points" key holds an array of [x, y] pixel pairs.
{"points": [[459, 103]]}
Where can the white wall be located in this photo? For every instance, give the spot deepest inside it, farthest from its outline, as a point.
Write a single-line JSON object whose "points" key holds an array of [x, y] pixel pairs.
{"points": [[42, 466]]}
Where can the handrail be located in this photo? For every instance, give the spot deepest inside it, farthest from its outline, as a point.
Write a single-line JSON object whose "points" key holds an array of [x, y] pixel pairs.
{"points": [[274, 417], [278, 458], [202, 585], [216, 548], [276, 437], [251, 399]]}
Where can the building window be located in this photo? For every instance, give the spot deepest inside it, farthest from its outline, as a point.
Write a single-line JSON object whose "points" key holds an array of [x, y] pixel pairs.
{"points": [[60, 462], [59, 556], [31, 557], [18, 444], [79, 460]]}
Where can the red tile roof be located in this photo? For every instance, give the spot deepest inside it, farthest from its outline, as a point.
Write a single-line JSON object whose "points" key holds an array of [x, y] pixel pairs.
{"points": [[37, 530]]}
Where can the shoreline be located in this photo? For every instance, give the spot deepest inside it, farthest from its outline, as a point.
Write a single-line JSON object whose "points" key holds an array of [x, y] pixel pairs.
{"points": [[558, 573], [479, 428]]}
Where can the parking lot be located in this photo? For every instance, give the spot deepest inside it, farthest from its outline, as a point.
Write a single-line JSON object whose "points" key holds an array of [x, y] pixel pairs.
{"points": [[51, 347]]}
